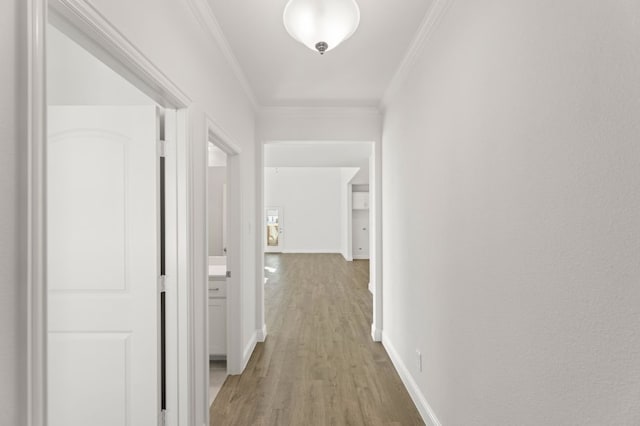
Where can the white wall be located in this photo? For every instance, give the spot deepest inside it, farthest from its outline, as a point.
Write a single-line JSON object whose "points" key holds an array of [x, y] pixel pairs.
{"points": [[362, 177], [217, 157], [319, 124], [511, 188], [217, 180], [13, 319], [81, 79], [347, 176], [311, 201]]}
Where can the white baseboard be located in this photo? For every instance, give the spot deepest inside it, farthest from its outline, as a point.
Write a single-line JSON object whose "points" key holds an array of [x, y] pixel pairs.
{"points": [[376, 334], [361, 256], [347, 258], [248, 350], [262, 333], [257, 336], [371, 289], [311, 251], [427, 413]]}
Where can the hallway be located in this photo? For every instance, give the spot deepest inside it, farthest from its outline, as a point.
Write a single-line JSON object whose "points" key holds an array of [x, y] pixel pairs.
{"points": [[318, 365]]}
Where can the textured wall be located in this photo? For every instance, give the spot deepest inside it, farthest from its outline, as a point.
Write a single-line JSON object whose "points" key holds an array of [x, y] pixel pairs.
{"points": [[511, 190]]}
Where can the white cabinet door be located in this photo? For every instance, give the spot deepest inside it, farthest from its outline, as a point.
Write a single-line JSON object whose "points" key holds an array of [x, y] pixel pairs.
{"points": [[360, 227], [103, 251], [217, 327]]}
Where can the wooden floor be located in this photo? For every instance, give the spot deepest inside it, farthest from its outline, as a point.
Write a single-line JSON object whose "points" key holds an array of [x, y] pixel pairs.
{"points": [[318, 365]]}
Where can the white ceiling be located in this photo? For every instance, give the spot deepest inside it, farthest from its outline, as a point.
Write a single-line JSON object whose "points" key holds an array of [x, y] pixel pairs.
{"points": [[283, 72]]}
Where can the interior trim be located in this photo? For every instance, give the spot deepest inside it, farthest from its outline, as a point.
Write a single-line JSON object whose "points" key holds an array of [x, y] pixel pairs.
{"points": [[427, 413], [95, 33], [203, 13], [319, 112], [36, 231], [426, 29], [98, 35]]}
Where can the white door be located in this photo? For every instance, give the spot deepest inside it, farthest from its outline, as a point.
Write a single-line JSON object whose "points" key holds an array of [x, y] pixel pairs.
{"points": [[274, 230], [103, 266], [360, 226]]}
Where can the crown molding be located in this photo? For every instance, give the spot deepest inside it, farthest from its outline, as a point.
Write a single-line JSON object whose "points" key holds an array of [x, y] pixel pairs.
{"points": [[100, 37], [426, 29], [217, 133], [206, 17], [317, 112]]}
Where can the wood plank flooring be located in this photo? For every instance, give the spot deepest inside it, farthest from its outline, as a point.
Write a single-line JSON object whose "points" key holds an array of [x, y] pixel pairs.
{"points": [[318, 365]]}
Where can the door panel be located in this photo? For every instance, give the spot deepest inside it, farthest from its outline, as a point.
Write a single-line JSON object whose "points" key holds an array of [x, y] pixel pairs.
{"points": [[80, 196], [103, 263], [360, 226], [89, 387]]}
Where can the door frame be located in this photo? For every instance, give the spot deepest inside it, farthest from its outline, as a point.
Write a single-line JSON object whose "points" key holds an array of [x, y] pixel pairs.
{"points": [[101, 38], [375, 226], [264, 225], [216, 135]]}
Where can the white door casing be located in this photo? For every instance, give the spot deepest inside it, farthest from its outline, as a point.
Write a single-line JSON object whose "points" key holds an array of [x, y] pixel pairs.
{"points": [[224, 219], [103, 266]]}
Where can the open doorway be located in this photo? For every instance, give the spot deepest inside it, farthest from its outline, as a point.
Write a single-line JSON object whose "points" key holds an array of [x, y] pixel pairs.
{"points": [[224, 352], [217, 264], [107, 252], [324, 189]]}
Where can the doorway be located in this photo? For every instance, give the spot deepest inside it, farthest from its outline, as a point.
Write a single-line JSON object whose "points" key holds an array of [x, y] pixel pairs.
{"points": [[105, 298], [274, 230], [106, 249], [324, 186], [217, 267], [223, 352]]}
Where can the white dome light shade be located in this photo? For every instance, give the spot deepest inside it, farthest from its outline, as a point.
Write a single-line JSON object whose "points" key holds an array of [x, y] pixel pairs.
{"points": [[321, 24]]}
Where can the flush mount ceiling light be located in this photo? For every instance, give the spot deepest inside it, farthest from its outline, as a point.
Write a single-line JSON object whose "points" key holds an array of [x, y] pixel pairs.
{"points": [[321, 24]]}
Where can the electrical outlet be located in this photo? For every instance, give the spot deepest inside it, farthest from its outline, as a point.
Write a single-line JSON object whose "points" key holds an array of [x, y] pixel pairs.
{"points": [[419, 360]]}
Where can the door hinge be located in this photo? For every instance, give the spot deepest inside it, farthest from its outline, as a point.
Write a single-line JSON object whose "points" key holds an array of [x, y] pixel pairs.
{"points": [[162, 283], [162, 148], [228, 274]]}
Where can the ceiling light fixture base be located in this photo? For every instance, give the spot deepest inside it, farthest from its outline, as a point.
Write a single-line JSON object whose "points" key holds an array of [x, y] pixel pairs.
{"points": [[322, 47]]}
